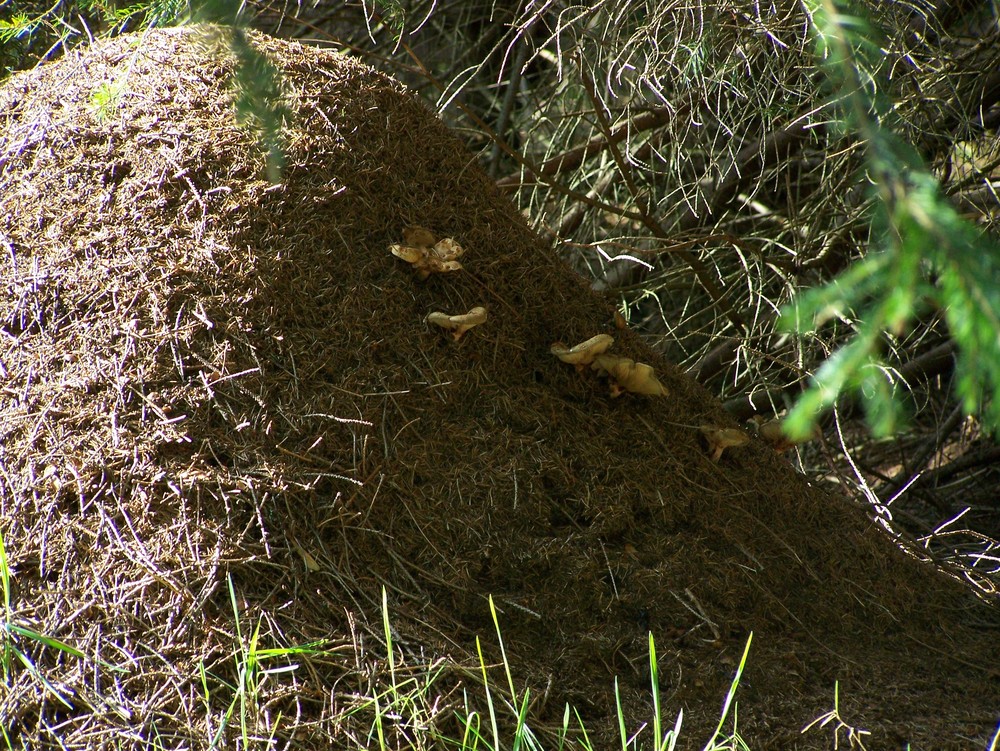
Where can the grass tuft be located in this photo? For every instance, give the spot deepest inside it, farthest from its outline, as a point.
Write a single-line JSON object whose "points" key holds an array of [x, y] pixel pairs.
{"points": [[15, 639]]}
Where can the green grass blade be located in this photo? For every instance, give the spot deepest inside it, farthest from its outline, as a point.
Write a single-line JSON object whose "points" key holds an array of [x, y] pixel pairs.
{"points": [[731, 695], [5, 579], [37, 674], [621, 717], [654, 681], [48, 641], [489, 696], [503, 651], [390, 655], [522, 734]]}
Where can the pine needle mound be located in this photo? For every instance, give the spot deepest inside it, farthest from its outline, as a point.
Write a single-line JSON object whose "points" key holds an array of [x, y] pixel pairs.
{"points": [[224, 421]]}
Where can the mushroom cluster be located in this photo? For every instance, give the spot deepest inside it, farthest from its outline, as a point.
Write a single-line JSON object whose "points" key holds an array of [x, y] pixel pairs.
{"points": [[629, 375], [426, 254], [624, 373]]}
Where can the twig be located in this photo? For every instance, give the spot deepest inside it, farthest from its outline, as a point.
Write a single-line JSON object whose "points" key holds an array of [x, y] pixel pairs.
{"points": [[513, 83], [573, 158], [626, 172], [962, 464], [750, 164]]}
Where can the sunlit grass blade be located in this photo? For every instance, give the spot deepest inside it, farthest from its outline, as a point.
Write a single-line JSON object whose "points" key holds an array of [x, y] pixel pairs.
{"points": [[731, 695], [489, 695], [503, 651]]}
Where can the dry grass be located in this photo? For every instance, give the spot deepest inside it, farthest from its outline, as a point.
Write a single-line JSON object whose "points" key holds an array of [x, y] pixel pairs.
{"points": [[225, 428]]}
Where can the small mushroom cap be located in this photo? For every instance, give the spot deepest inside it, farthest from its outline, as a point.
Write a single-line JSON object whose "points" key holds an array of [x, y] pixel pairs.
{"points": [[419, 236], [442, 267], [724, 437], [474, 317], [771, 431], [447, 249], [458, 324], [583, 353], [634, 377], [408, 253], [719, 439]]}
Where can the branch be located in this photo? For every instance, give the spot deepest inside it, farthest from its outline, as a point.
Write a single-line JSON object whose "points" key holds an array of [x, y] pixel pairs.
{"points": [[751, 163], [627, 174], [930, 447], [513, 153], [934, 362], [570, 160]]}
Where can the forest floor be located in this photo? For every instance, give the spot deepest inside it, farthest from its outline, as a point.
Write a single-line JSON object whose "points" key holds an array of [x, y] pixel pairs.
{"points": [[227, 428]]}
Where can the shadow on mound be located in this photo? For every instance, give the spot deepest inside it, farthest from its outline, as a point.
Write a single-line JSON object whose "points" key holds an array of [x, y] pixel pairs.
{"points": [[212, 380]]}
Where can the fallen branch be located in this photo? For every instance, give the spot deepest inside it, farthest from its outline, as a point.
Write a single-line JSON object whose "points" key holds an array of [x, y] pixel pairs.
{"points": [[625, 170], [750, 165], [570, 160]]}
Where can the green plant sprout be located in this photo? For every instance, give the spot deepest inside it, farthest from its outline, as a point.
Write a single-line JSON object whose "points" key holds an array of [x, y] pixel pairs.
{"points": [[667, 741], [250, 659], [106, 98], [13, 635], [855, 737], [524, 738], [405, 705]]}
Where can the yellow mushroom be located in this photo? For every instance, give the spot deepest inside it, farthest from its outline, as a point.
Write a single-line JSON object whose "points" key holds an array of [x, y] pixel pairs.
{"points": [[774, 436], [408, 253], [432, 265], [458, 325], [439, 259], [629, 375], [719, 439], [583, 353], [447, 250]]}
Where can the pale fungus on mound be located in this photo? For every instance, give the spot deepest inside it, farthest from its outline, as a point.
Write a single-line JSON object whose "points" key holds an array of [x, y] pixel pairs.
{"points": [[720, 439], [772, 434], [437, 259], [583, 353], [459, 324], [447, 249], [628, 375], [408, 253]]}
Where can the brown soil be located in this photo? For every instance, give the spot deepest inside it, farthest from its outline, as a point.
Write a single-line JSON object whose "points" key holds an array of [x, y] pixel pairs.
{"points": [[206, 378]]}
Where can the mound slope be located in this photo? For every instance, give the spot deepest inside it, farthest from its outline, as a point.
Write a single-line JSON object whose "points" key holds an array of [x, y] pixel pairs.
{"points": [[218, 392]]}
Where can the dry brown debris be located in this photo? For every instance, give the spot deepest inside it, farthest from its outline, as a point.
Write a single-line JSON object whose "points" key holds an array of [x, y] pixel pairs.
{"points": [[215, 398]]}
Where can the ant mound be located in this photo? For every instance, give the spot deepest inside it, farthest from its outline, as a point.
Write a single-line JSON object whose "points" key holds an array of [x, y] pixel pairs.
{"points": [[254, 492]]}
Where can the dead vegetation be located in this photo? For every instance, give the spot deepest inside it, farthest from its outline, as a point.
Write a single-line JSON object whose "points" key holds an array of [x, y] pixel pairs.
{"points": [[687, 157], [220, 395]]}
